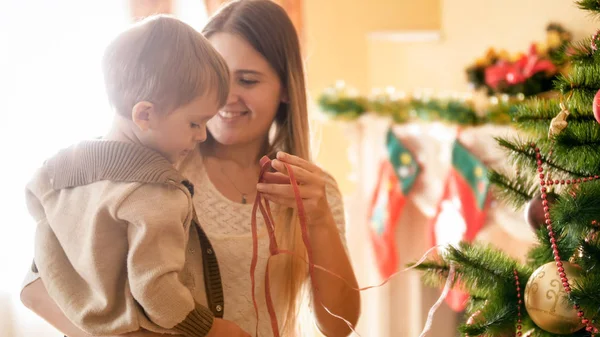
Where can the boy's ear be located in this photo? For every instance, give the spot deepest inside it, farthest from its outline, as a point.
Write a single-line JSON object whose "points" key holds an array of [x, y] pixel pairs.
{"points": [[142, 115]]}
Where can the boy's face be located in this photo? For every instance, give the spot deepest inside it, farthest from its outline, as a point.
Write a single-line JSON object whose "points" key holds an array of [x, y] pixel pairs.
{"points": [[177, 133]]}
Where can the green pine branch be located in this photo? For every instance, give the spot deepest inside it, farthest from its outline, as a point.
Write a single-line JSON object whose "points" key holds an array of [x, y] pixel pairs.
{"points": [[536, 108], [578, 52], [586, 293], [590, 261], [535, 127], [579, 99], [523, 155], [585, 131], [580, 130], [488, 276], [434, 272], [476, 302], [574, 160], [534, 115], [581, 76], [485, 269], [578, 159], [514, 191], [589, 5], [541, 253], [495, 319], [560, 55], [479, 269], [575, 215]]}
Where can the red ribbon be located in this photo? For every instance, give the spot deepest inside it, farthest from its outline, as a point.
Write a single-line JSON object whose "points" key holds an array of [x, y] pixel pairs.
{"points": [[265, 209], [265, 164]]}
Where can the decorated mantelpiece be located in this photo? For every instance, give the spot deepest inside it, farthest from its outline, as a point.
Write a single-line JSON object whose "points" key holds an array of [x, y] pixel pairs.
{"points": [[423, 157]]}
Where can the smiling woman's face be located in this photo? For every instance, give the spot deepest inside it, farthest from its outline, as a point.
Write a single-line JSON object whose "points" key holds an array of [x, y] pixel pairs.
{"points": [[254, 97]]}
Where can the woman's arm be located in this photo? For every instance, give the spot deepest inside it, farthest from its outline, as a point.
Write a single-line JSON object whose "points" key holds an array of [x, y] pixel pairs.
{"points": [[35, 297], [335, 294]]}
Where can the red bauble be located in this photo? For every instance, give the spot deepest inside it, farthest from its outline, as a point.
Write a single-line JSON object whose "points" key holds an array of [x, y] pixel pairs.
{"points": [[534, 212], [596, 106]]}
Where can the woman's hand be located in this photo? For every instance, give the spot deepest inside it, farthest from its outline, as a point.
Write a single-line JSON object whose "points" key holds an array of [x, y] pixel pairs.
{"points": [[311, 181], [328, 249]]}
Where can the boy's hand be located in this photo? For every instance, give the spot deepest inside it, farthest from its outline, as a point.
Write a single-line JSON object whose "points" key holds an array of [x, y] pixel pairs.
{"points": [[223, 328]]}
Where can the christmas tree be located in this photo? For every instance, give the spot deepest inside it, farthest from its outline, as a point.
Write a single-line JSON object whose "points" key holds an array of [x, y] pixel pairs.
{"points": [[557, 159]]}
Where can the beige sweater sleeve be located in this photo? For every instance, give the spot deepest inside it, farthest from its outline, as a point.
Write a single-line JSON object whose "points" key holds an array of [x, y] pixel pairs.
{"points": [[157, 234]]}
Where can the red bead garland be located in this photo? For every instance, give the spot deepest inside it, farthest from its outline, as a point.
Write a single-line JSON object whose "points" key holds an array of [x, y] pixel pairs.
{"points": [[519, 302], [589, 327]]}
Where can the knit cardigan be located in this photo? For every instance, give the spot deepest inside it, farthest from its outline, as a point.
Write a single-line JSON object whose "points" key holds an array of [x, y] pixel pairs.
{"points": [[114, 224]]}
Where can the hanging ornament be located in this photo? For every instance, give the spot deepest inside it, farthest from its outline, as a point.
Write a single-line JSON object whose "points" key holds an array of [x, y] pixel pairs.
{"points": [[475, 318], [559, 123], [534, 211], [596, 106], [546, 300]]}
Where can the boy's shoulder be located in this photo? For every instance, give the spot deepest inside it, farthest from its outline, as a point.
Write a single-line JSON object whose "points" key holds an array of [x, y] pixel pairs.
{"points": [[94, 160], [122, 168]]}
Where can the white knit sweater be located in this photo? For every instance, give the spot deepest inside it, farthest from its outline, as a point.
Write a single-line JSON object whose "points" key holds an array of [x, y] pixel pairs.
{"points": [[227, 225]]}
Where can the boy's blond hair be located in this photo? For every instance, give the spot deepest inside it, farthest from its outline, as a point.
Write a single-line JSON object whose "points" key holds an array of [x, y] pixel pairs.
{"points": [[163, 61]]}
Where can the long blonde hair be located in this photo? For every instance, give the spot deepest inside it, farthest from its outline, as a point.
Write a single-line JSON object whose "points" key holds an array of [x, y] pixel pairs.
{"points": [[267, 27]]}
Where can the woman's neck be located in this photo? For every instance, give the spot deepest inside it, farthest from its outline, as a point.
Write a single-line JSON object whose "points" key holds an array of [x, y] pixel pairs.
{"points": [[244, 155]]}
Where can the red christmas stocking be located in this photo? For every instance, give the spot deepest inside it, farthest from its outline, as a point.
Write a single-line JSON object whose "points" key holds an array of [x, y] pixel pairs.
{"points": [[396, 177], [462, 210]]}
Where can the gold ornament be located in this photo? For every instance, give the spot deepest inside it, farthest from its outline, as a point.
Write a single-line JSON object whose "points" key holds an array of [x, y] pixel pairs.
{"points": [[546, 300]]}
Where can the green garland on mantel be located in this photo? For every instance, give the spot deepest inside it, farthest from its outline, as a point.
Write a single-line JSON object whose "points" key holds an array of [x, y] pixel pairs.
{"points": [[344, 103]]}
